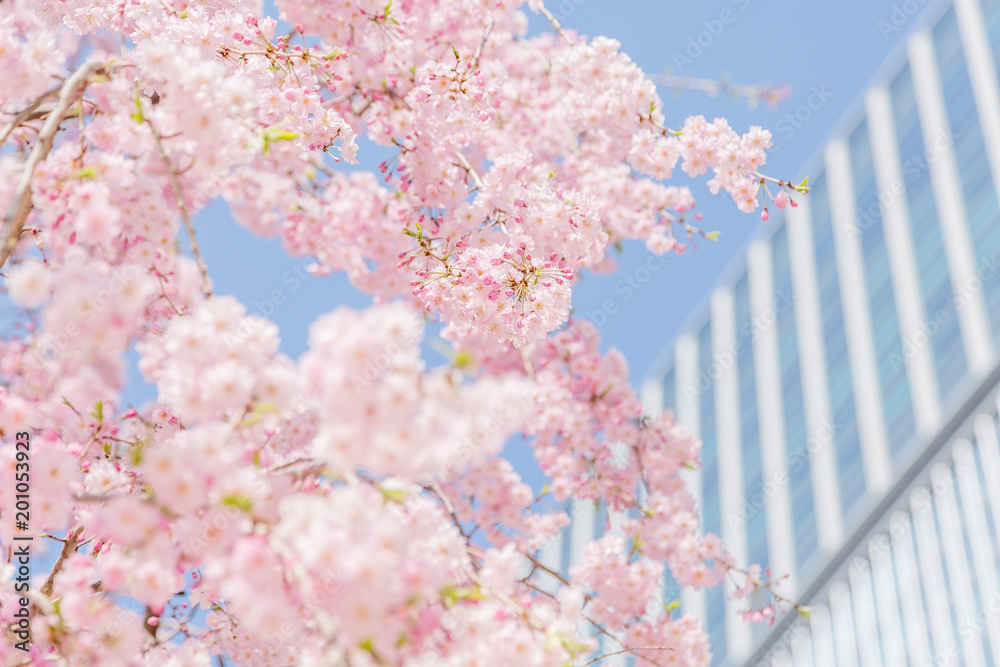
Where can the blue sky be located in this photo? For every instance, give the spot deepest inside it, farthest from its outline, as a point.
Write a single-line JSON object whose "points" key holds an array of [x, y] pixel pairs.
{"points": [[825, 51]]}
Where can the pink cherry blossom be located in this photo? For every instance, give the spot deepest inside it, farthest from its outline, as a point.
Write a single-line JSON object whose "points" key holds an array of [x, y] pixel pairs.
{"points": [[352, 504]]}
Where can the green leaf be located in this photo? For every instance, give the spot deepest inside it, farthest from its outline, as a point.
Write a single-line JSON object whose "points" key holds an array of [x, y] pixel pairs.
{"points": [[712, 236], [670, 607], [275, 133], [239, 501], [450, 595], [98, 412], [463, 358], [85, 173], [545, 489], [366, 645], [573, 647], [136, 452], [805, 611], [394, 495], [137, 115], [283, 135]]}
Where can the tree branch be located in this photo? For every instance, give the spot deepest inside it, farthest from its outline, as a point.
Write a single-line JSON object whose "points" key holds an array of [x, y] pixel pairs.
{"points": [[628, 650], [555, 24], [20, 205], [482, 43], [27, 113], [470, 171], [68, 549], [175, 185]]}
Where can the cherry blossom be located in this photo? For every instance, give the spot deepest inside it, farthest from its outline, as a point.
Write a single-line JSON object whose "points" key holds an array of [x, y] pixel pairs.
{"points": [[353, 505]]}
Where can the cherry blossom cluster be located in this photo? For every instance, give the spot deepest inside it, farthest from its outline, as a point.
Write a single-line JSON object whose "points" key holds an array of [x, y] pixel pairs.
{"points": [[352, 506], [624, 589], [492, 496], [379, 409], [506, 293]]}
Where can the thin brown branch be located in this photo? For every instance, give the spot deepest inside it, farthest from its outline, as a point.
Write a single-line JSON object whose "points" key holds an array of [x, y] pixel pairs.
{"points": [[555, 24], [597, 626], [539, 565], [68, 549], [20, 205], [163, 293], [472, 172], [482, 43], [175, 185], [628, 650], [28, 112]]}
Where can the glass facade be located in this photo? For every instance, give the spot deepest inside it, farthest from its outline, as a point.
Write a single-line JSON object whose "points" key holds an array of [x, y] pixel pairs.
{"points": [[753, 479], [932, 264], [973, 166], [711, 507], [670, 391], [933, 560], [796, 435], [894, 386], [991, 14], [838, 368]]}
